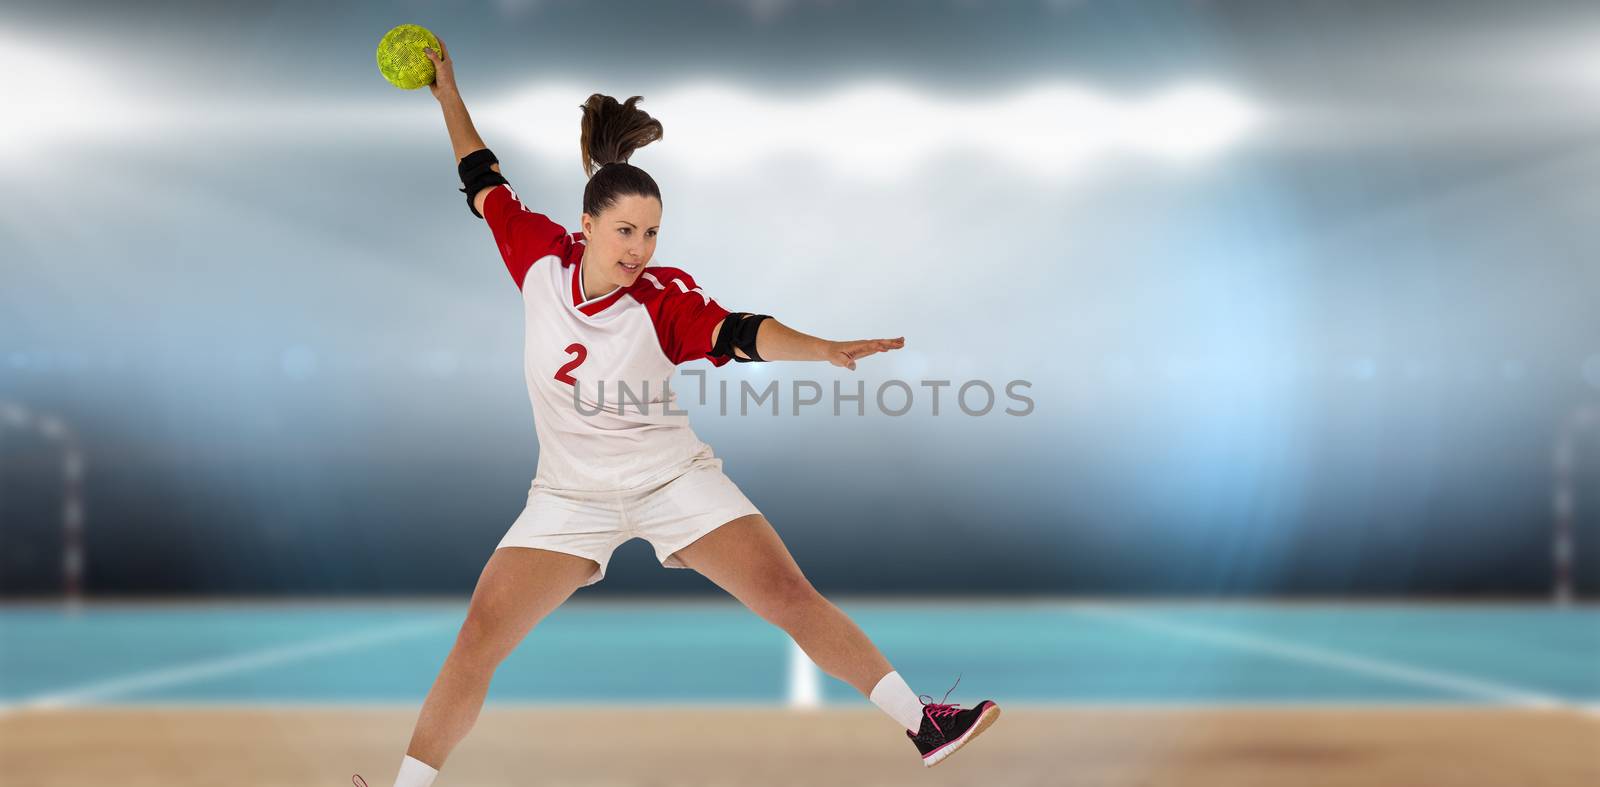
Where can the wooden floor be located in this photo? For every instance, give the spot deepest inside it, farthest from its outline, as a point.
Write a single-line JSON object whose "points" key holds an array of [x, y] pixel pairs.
{"points": [[611, 747]]}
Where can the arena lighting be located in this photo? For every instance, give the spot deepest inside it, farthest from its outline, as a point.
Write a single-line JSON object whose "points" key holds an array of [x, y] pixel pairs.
{"points": [[872, 127], [58, 99], [880, 128], [47, 103]]}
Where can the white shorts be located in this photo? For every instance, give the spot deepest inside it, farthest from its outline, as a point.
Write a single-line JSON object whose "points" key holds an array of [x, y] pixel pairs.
{"points": [[670, 515]]}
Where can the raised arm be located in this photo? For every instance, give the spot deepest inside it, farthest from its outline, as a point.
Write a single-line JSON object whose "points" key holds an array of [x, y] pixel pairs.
{"points": [[464, 137], [778, 342]]}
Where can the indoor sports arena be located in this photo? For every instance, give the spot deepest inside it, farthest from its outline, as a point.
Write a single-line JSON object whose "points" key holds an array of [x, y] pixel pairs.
{"points": [[796, 392]]}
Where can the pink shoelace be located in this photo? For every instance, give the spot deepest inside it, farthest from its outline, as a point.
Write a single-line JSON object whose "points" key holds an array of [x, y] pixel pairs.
{"points": [[938, 710], [358, 781]]}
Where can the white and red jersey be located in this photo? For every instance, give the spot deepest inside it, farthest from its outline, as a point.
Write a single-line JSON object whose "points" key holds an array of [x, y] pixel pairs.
{"points": [[633, 336]]}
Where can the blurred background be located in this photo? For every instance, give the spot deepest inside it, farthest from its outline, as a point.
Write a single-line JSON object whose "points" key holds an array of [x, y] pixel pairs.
{"points": [[1305, 293]]}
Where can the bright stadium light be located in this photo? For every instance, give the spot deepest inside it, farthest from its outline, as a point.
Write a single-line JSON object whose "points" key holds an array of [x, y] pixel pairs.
{"points": [[61, 98], [872, 128], [880, 128], [1187, 123]]}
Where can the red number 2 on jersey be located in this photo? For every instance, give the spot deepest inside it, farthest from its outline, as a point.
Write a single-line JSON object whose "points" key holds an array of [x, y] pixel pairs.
{"points": [[579, 353]]}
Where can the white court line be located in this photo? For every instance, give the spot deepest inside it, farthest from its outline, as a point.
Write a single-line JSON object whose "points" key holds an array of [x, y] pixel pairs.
{"points": [[805, 681], [200, 670], [1349, 662]]}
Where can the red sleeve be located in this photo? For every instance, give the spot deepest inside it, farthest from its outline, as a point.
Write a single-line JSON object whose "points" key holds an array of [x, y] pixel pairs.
{"points": [[524, 237], [683, 315]]}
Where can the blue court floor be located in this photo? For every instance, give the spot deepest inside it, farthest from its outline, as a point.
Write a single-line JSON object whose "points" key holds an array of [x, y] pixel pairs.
{"points": [[1024, 652]]}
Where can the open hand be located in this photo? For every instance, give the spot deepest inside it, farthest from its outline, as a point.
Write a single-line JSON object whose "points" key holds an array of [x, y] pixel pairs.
{"points": [[444, 70], [847, 353]]}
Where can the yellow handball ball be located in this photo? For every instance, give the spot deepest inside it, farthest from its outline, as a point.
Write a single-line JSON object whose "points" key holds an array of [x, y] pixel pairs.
{"points": [[401, 59]]}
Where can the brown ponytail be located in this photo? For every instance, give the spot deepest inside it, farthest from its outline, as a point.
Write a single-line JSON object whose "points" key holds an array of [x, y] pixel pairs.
{"points": [[611, 133]]}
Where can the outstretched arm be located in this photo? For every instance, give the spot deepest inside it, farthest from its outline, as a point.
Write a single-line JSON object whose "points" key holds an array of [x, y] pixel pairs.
{"points": [[463, 136], [778, 342]]}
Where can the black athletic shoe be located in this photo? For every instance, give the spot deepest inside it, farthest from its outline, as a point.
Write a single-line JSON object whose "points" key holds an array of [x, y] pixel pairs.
{"points": [[946, 728]]}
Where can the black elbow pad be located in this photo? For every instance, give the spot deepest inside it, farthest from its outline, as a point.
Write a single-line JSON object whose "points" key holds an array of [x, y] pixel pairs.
{"points": [[477, 176], [739, 331]]}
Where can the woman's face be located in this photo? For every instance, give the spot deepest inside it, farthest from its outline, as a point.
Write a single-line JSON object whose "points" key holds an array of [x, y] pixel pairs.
{"points": [[622, 239]]}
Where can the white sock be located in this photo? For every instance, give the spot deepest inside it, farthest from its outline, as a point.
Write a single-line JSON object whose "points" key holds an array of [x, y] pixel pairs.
{"points": [[898, 700], [414, 773]]}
